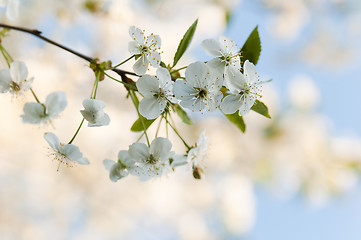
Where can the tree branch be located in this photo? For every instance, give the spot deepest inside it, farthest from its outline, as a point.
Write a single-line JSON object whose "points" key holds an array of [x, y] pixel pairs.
{"points": [[38, 33]]}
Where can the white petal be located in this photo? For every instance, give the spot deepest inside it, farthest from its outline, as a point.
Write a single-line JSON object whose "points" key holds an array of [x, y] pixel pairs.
{"points": [[55, 103], [108, 164], [12, 10], [26, 84], [163, 76], [179, 160], [150, 108], [5, 80], [154, 39], [147, 85], [217, 65], [234, 80], [138, 151], [212, 47], [71, 151], [93, 105], [160, 148], [102, 120], [117, 172], [194, 74], [133, 48], [18, 71], [33, 113], [250, 72], [182, 91], [136, 34], [214, 101], [231, 104], [154, 59], [141, 65], [247, 103], [83, 161], [125, 159], [228, 45], [52, 140], [197, 105]]}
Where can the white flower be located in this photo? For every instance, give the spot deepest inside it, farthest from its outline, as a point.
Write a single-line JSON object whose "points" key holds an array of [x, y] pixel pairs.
{"points": [[67, 154], [13, 80], [157, 92], [196, 155], [145, 49], [225, 52], [201, 90], [93, 112], [12, 8], [121, 168], [36, 113], [153, 161], [244, 90]]}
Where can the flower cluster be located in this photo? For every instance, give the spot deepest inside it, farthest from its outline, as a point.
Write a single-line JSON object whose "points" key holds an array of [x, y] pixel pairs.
{"points": [[206, 86], [221, 82], [156, 160]]}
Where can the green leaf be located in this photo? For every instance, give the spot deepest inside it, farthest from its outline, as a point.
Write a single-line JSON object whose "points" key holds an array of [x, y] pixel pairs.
{"points": [[186, 40], [251, 49], [138, 126], [261, 108], [237, 120], [182, 114]]}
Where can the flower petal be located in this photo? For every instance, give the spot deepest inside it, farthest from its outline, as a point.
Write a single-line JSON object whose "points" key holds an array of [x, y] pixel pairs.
{"points": [[154, 41], [83, 161], [247, 103], [136, 34], [163, 76], [52, 140], [139, 152], [141, 65], [154, 59], [250, 73], [231, 103], [18, 71], [150, 107], [55, 103], [160, 148], [182, 91], [133, 48], [108, 164], [117, 172], [147, 85], [194, 74], [217, 65], [228, 45], [33, 113], [212, 47], [93, 105], [5, 80], [234, 80]]}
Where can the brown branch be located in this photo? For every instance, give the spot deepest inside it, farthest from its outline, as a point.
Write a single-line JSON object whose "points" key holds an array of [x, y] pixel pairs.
{"points": [[38, 33]]}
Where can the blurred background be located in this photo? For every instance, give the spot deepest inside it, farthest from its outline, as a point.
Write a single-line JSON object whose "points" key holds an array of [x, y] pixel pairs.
{"points": [[295, 176]]}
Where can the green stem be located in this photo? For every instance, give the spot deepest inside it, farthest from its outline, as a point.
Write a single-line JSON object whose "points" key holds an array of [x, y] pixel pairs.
{"points": [[176, 132], [178, 69], [132, 93], [95, 86], [160, 121], [77, 131], [36, 98], [124, 83], [6, 55], [126, 60]]}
